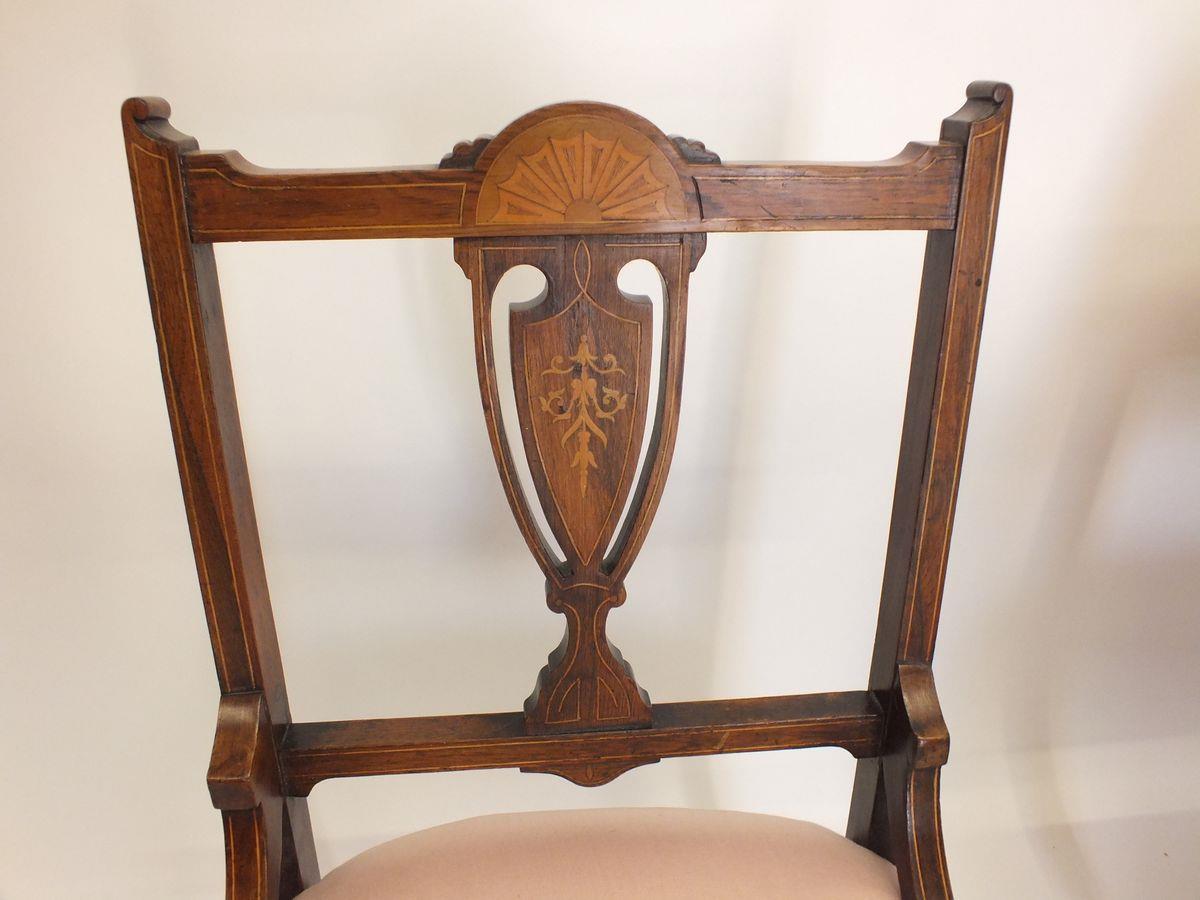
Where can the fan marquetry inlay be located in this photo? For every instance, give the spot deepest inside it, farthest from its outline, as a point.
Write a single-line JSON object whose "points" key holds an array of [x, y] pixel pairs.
{"points": [[582, 179], [579, 169]]}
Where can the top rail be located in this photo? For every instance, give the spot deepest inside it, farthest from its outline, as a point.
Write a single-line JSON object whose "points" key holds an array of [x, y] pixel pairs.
{"points": [[569, 168], [231, 199]]}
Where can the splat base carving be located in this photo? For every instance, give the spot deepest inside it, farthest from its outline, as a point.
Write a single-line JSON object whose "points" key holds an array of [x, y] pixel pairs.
{"points": [[586, 685]]}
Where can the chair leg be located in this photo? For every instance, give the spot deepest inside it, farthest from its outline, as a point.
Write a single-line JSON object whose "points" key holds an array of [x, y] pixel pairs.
{"points": [[299, 864], [914, 818], [253, 845], [895, 809], [868, 824], [269, 853]]}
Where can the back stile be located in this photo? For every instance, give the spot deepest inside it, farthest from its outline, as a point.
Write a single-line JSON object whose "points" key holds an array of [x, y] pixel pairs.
{"points": [[895, 805], [194, 356]]}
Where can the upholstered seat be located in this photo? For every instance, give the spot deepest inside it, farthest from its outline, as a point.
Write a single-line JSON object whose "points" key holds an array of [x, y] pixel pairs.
{"points": [[607, 853]]}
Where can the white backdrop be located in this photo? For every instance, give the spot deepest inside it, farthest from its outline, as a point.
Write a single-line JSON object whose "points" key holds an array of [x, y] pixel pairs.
{"points": [[1068, 653]]}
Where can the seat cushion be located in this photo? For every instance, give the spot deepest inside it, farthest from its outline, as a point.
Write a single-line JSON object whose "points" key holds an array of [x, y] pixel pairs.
{"points": [[607, 853]]}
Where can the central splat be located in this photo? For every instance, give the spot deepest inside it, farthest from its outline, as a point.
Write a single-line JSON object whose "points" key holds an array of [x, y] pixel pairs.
{"points": [[581, 357], [581, 370]]}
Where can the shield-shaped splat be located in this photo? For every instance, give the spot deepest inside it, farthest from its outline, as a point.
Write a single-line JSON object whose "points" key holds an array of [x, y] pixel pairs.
{"points": [[581, 368]]}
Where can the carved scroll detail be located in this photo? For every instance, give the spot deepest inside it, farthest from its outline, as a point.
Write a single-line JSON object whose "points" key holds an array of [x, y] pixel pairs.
{"points": [[465, 153], [694, 151]]}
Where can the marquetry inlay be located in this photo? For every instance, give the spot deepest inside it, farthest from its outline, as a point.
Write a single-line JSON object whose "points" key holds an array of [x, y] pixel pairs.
{"points": [[580, 169], [583, 358], [581, 410], [580, 361]]}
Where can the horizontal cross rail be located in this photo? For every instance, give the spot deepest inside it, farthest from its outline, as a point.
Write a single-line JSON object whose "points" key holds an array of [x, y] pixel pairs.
{"points": [[230, 199], [313, 752]]}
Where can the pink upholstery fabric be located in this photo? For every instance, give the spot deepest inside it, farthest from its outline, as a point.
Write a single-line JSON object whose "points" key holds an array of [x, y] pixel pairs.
{"points": [[615, 853]]}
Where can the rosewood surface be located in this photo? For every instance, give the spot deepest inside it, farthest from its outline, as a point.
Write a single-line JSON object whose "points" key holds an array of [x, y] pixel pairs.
{"points": [[494, 184], [312, 752], [577, 190]]}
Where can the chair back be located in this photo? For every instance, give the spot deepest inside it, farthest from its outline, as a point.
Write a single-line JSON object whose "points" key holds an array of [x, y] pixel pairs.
{"points": [[578, 191]]}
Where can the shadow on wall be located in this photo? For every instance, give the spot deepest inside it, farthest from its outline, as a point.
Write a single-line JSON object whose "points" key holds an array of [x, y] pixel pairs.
{"points": [[1106, 606]]}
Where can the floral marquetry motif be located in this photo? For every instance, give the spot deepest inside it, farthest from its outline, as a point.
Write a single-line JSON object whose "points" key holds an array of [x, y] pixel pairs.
{"points": [[581, 410]]}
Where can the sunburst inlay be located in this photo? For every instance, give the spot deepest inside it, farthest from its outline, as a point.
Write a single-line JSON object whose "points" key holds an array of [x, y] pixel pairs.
{"points": [[582, 178], [587, 404]]}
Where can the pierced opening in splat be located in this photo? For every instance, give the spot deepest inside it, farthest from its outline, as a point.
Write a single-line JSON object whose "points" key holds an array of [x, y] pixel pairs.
{"points": [[640, 279], [519, 286]]}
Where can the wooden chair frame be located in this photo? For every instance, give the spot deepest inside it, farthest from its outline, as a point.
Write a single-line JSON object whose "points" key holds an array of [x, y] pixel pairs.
{"points": [[611, 188]]}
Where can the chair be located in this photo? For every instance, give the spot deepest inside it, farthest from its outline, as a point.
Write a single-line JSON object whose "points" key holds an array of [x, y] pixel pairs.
{"points": [[577, 190]]}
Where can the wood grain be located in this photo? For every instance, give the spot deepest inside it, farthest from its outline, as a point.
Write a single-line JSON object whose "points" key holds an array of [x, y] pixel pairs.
{"points": [[185, 304], [314, 752], [580, 369], [577, 190], [541, 175], [945, 353]]}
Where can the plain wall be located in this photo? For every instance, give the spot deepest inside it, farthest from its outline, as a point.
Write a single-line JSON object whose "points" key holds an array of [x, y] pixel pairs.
{"points": [[1067, 661]]}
